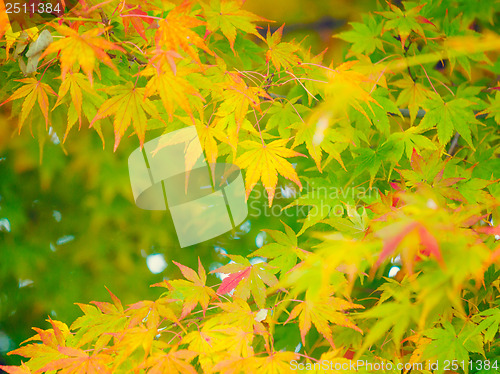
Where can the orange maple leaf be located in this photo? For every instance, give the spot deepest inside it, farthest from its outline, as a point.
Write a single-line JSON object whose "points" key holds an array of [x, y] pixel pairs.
{"points": [[4, 21], [426, 244], [23, 369], [77, 361], [33, 90], [264, 162], [135, 16], [82, 50]]}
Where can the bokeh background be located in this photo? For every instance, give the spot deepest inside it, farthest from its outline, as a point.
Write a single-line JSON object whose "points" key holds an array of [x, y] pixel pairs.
{"points": [[68, 223]]}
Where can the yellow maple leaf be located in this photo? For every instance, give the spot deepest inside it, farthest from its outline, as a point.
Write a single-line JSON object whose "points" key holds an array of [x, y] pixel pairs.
{"points": [[33, 90], [237, 97], [321, 312], [74, 83], [276, 362], [174, 362], [128, 104], [264, 162], [281, 54], [81, 50], [347, 79], [174, 89], [209, 135]]}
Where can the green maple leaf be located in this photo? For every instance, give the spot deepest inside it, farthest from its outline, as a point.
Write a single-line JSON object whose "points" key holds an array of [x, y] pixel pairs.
{"points": [[365, 36], [404, 22], [284, 252], [285, 115], [448, 116], [229, 17], [412, 95], [371, 160], [410, 139], [392, 317], [491, 324], [494, 108], [355, 225], [453, 343], [320, 198]]}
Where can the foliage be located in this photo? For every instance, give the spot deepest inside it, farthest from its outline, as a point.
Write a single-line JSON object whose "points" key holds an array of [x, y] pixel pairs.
{"points": [[394, 151]]}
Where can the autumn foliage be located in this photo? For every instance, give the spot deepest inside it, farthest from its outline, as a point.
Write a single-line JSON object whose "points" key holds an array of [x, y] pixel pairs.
{"points": [[405, 272]]}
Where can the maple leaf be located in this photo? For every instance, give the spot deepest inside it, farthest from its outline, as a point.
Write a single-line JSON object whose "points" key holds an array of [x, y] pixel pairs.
{"points": [[82, 50], [450, 115], [394, 235], [95, 322], [281, 54], [321, 312], [130, 340], [23, 369], [215, 341], [284, 252], [74, 83], [209, 134], [4, 22], [228, 16], [404, 21], [453, 343], [128, 104], [77, 360], [275, 363], [412, 95], [245, 278], [371, 160], [135, 16], [392, 317], [319, 136], [33, 91], [353, 83], [364, 37], [175, 31], [191, 292], [264, 162], [409, 140], [494, 108], [429, 172], [174, 89], [490, 324], [237, 97], [238, 313], [175, 362], [151, 312]]}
